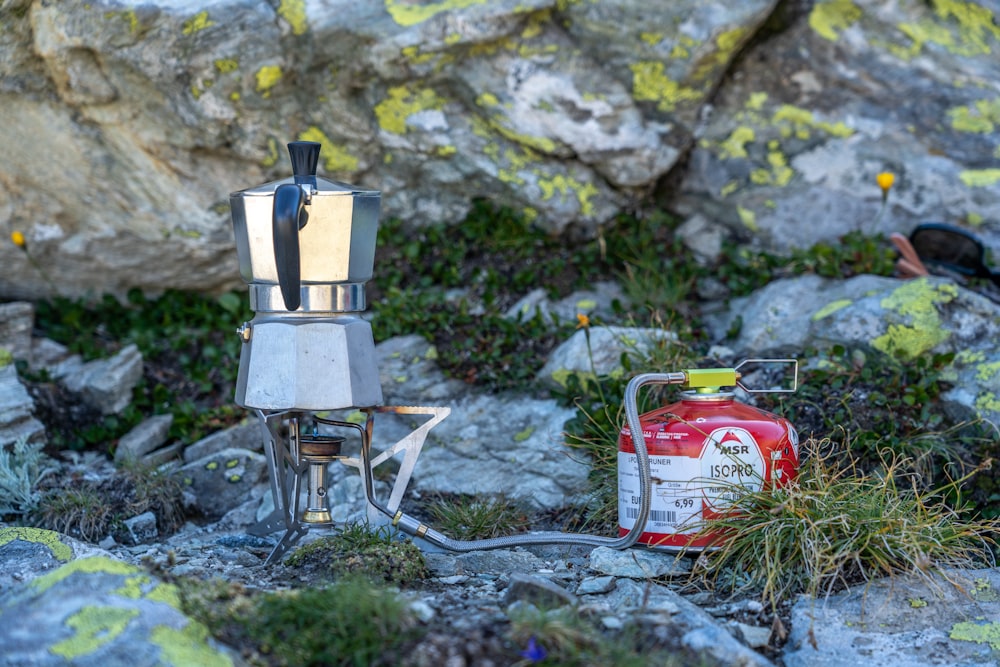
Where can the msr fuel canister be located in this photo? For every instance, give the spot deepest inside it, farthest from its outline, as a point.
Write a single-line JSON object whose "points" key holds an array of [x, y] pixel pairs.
{"points": [[704, 452]]}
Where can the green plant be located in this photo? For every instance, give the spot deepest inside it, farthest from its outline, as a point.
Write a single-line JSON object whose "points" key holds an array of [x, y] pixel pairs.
{"points": [[22, 467], [475, 518], [92, 510], [835, 525], [376, 553], [82, 512], [866, 401], [189, 347], [352, 622]]}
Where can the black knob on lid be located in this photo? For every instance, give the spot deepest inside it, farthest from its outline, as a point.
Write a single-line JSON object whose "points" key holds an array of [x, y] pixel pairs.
{"points": [[305, 157]]}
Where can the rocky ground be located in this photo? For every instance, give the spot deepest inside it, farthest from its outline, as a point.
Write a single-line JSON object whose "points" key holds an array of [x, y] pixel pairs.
{"points": [[467, 604]]}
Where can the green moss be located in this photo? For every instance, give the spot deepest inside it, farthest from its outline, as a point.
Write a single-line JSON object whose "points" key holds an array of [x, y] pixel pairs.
{"points": [[227, 65], [734, 146], [197, 23], [94, 627], [335, 158], [567, 186], [60, 550], [523, 435], [267, 77], [980, 178], [800, 120], [981, 117], [830, 308], [748, 218]]}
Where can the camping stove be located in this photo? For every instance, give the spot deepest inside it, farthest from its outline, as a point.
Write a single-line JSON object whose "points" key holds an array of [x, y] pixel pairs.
{"points": [[306, 248]]}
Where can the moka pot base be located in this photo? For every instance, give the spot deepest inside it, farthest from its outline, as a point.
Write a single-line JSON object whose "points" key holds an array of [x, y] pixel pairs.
{"points": [[307, 361]]}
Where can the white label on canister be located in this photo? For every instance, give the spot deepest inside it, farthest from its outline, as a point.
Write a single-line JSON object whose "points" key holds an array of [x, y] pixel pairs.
{"points": [[675, 505], [731, 464]]}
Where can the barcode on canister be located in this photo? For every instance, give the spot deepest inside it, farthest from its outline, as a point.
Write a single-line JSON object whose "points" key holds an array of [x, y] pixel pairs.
{"points": [[663, 516], [659, 516]]}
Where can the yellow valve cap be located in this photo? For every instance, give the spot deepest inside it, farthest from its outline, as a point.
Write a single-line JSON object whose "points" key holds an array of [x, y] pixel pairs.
{"points": [[711, 377]]}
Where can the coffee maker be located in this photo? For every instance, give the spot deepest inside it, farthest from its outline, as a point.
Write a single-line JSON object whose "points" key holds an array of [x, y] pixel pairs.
{"points": [[306, 248]]}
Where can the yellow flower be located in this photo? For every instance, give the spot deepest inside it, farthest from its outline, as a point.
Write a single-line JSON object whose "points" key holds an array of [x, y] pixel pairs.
{"points": [[885, 181], [18, 239], [582, 321]]}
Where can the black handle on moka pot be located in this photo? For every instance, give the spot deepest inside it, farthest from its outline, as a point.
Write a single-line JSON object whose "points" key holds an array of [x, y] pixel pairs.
{"points": [[289, 216]]}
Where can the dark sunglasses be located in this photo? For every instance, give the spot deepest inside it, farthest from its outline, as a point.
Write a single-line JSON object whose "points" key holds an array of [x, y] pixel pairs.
{"points": [[952, 249]]}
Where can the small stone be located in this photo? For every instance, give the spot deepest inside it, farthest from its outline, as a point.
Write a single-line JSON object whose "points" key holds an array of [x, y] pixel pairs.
{"points": [[144, 438], [596, 585], [753, 636], [223, 480], [637, 563], [538, 591], [247, 435], [612, 623], [17, 319], [141, 529], [423, 611]]}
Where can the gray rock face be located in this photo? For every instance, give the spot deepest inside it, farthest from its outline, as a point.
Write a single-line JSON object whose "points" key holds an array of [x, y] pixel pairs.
{"points": [[498, 443], [223, 480], [790, 152], [908, 622], [566, 111], [16, 322], [16, 405], [909, 318], [93, 610]]}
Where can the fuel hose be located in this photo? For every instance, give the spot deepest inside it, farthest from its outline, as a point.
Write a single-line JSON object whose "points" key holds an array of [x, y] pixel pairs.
{"points": [[414, 527]]}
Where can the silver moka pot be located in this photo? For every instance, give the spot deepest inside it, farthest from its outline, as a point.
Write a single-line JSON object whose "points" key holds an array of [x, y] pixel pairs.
{"points": [[306, 248]]}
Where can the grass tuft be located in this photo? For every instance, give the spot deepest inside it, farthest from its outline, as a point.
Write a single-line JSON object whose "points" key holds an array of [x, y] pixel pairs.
{"points": [[833, 527], [476, 518]]}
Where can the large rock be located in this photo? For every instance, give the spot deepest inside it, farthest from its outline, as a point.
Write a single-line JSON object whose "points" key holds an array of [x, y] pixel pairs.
{"points": [[908, 621], [92, 610], [125, 129], [905, 318], [843, 90]]}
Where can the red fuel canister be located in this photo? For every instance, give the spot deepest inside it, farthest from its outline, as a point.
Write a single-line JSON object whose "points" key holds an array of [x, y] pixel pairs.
{"points": [[704, 451]]}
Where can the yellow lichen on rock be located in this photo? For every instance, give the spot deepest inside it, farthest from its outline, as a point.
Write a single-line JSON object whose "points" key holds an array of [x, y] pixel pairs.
{"points": [[47, 538], [829, 19], [94, 626], [407, 13], [335, 158], [651, 84], [917, 300], [402, 103]]}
